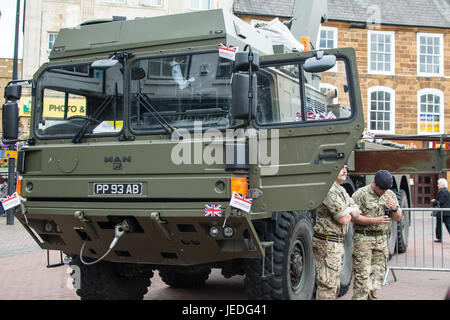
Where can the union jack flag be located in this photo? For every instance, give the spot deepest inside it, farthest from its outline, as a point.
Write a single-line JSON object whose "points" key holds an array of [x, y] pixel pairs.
{"points": [[11, 197], [368, 135], [213, 210], [227, 47], [314, 114], [243, 198]]}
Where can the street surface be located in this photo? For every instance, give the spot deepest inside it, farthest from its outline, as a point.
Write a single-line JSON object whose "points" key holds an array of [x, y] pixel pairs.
{"points": [[24, 276]]}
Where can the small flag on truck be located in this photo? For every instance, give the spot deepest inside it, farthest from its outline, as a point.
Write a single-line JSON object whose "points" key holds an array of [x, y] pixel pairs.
{"points": [[227, 51]]}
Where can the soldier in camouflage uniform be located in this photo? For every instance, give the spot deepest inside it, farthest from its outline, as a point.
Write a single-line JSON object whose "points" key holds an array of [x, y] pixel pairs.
{"points": [[370, 251], [333, 216]]}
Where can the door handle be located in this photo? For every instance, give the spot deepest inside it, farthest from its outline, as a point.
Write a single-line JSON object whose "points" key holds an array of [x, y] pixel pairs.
{"points": [[328, 156]]}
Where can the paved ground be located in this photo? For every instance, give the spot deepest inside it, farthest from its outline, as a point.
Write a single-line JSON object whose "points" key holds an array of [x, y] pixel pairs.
{"points": [[23, 275]]}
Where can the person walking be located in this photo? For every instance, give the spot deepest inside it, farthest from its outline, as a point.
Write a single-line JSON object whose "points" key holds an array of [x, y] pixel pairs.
{"points": [[442, 201], [333, 216], [370, 252]]}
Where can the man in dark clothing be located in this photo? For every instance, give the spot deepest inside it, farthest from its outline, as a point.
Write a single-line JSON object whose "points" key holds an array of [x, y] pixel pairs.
{"points": [[442, 201]]}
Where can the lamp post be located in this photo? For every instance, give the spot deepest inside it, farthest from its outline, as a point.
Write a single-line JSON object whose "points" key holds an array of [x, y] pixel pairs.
{"points": [[12, 161]]}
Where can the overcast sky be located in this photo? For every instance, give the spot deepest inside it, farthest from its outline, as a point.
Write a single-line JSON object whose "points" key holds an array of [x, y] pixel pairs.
{"points": [[7, 28]]}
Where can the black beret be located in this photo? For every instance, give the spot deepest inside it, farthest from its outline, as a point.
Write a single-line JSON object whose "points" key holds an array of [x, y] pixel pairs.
{"points": [[383, 179]]}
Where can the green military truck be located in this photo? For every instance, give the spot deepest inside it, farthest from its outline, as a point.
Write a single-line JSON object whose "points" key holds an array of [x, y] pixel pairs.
{"points": [[183, 143]]}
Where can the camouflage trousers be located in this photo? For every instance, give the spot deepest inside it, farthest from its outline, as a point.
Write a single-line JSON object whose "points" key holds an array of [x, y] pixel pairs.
{"points": [[370, 254], [328, 263]]}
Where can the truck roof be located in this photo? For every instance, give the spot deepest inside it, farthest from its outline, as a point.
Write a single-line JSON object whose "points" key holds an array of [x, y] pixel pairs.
{"points": [[142, 35]]}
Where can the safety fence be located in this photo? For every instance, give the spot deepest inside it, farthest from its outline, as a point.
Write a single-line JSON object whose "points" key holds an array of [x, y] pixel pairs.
{"points": [[422, 253]]}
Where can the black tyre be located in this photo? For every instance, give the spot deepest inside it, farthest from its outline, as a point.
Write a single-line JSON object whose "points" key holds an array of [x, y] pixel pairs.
{"points": [[347, 263], [187, 278], [403, 225], [391, 238], [293, 261], [103, 281]]}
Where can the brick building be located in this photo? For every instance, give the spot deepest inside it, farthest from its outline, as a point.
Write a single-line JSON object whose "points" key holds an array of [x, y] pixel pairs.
{"points": [[403, 56]]}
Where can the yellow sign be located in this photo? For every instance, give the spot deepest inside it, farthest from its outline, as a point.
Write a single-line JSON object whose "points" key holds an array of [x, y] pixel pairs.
{"points": [[429, 123], [54, 107], [25, 107], [10, 154]]}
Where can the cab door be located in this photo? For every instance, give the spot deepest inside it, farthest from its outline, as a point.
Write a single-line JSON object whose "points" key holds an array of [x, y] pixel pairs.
{"points": [[307, 125]]}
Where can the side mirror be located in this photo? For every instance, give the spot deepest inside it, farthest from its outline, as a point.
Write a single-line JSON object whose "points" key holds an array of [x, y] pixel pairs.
{"points": [[240, 101], [10, 120], [13, 92], [137, 73], [320, 63], [241, 62]]}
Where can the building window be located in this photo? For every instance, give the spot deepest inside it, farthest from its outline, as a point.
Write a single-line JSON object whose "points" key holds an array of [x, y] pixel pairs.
{"points": [[51, 40], [430, 53], [381, 105], [155, 3], [200, 4], [381, 47], [327, 38], [115, 1], [431, 111]]}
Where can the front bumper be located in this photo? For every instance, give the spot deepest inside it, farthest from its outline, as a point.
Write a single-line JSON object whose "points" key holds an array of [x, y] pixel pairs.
{"points": [[163, 233]]}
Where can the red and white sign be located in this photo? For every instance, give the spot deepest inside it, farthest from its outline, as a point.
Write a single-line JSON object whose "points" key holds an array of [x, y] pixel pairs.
{"points": [[10, 201], [227, 51], [241, 202]]}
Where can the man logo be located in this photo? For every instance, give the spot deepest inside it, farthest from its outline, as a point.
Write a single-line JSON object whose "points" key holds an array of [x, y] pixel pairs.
{"points": [[117, 161]]}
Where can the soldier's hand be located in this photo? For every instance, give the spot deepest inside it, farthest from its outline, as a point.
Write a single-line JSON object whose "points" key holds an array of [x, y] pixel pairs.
{"points": [[383, 220], [355, 212], [391, 203]]}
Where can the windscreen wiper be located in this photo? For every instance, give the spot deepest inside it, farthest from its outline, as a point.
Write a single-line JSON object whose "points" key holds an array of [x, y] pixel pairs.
{"points": [[145, 101], [80, 134]]}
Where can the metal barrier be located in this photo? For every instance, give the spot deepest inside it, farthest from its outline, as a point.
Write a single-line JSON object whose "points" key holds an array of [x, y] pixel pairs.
{"points": [[421, 254]]}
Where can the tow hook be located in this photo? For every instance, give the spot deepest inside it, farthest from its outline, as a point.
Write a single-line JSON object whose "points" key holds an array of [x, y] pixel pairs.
{"points": [[87, 224], [161, 224]]}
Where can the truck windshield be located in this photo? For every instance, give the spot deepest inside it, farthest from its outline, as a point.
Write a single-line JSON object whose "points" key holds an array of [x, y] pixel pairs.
{"points": [[76, 100], [178, 91]]}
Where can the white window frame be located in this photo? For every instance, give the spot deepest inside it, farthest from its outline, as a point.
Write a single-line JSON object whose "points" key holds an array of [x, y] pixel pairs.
{"points": [[151, 3], [49, 34], [391, 111], [114, 1], [370, 33], [335, 37], [441, 54], [435, 92], [200, 5], [335, 42]]}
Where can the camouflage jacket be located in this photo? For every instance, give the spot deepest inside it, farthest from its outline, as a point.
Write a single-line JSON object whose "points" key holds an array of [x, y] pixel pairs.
{"points": [[332, 208], [372, 205]]}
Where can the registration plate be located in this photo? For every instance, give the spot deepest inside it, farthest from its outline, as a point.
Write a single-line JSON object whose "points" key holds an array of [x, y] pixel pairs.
{"points": [[118, 189]]}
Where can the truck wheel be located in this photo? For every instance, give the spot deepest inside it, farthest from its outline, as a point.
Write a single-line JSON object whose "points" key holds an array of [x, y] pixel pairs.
{"points": [[403, 225], [391, 238], [102, 281], [293, 262], [186, 279], [347, 262]]}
